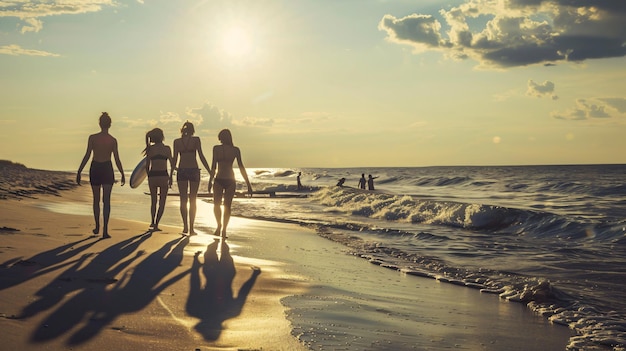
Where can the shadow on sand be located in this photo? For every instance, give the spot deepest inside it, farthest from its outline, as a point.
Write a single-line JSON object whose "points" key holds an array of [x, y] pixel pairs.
{"points": [[101, 269], [17, 270], [214, 302], [97, 305]]}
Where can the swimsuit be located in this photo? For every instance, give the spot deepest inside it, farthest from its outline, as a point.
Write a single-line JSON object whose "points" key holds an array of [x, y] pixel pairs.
{"points": [[225, 183], [188, 174], [155, 173], [101, 173]]}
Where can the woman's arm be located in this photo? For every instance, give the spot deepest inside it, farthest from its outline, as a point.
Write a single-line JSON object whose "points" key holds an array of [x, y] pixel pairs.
{"points": [[202, 158], [85, 159], [242, 169], [169, 158], [176, 152], [213, 168], [116, 155]]}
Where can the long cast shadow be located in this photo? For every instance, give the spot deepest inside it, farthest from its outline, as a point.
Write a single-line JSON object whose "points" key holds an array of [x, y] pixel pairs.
{"points": [[17, 270], [135, 290], [214, 302], [101, 270]]}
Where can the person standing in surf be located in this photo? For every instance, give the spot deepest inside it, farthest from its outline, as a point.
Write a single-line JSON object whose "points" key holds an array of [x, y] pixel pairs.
{"points": [[370, 182], [222, 173], [157, 155], [187, 147], [362, 181], [102, 145]]}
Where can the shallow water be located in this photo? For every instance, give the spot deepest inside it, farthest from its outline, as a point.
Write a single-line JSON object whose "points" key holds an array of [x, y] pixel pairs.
{"points": [[551, 237]]}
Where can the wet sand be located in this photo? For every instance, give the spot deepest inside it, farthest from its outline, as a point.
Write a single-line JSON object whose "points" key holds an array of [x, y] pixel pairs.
{"points": [[62, 288]]}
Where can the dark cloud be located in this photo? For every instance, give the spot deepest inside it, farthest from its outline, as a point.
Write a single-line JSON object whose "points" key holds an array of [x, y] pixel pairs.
{"points": [[520, 33]]}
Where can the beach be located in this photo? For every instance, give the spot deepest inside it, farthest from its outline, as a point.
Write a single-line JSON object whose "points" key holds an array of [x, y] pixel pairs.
{"points": [[270, 286]]}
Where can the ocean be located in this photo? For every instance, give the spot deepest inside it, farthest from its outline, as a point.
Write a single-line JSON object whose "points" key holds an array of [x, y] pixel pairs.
{"points": [[550, 237]]}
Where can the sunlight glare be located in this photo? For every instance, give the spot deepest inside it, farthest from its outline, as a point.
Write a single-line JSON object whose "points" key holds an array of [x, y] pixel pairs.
{"points": [[237, 43]]}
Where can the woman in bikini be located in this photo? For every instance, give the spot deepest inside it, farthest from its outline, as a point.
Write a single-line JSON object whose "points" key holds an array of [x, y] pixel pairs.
{"points": [[224, 188], [188, 174], [101, 175], [157, 156]]}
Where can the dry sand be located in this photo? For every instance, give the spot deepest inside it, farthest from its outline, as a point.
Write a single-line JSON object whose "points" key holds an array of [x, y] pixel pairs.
{"points": [[61, 288]]}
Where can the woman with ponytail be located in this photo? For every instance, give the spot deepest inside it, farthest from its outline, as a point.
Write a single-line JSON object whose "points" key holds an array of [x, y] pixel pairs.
{"points": [[186, 148], [157, 156]]}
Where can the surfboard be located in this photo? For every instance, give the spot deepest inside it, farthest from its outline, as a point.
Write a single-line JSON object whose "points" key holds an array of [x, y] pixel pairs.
{"points": [[139, 174]]}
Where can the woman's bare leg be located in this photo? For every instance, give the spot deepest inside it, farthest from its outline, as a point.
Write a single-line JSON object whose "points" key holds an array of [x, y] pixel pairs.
{"points": [[217, 207], [106, 208], [95, 189], [182, 188], [162, 199], [193, 193], [228, 201], [153, 204]]}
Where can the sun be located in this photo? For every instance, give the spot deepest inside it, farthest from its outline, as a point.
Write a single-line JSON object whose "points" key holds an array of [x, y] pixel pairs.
{"points": [[237, 43]]}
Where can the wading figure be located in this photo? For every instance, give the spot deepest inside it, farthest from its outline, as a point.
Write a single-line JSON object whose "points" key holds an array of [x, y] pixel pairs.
{"points": [[222, 173], [188, 174], [101, 176]]}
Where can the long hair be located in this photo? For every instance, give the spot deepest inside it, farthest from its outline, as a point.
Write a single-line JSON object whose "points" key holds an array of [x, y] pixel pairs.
{"points": [[105, 121], [187, 129], [225, 137], [152, 137]]}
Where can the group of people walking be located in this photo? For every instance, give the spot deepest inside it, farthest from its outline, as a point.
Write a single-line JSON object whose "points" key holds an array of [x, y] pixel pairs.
{"points": [[183, 161]]}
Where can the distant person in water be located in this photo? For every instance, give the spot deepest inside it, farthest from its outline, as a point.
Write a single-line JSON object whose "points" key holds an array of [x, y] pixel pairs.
{"points": [[298, 180], [187, 147], [362, 181], [222, 173], [370, 182], [341, 181], [159, 180], [101, 175]]}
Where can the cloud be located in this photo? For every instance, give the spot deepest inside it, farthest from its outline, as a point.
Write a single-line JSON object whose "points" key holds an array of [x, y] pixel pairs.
{"points": [[540, 90], [210, 115], [511, 33], [420, 31], [30, 11], [32, 25], [585, 110], [170, 117], [255, 122], [617, 103], [16, 50]]}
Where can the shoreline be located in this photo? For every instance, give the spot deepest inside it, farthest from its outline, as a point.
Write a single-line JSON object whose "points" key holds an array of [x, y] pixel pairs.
{"points": [[310, 293]]}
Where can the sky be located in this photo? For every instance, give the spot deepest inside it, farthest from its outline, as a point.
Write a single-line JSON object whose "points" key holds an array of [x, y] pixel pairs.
{"points": [[319, 83]]}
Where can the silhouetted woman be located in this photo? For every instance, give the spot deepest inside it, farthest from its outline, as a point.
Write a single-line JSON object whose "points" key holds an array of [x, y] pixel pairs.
{"points": [[222, 173], [101, 171], [188, 173], [157, 156]]}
